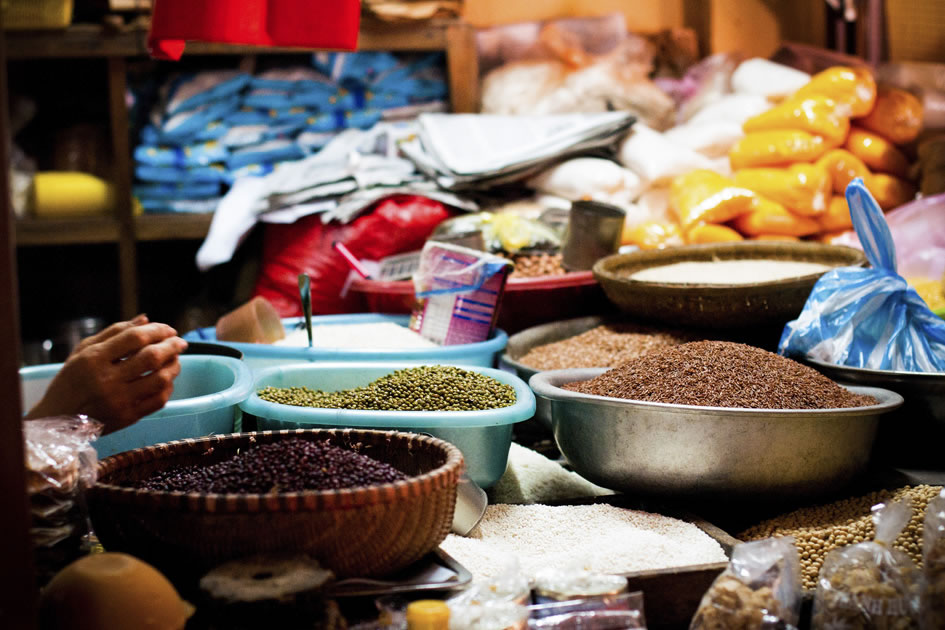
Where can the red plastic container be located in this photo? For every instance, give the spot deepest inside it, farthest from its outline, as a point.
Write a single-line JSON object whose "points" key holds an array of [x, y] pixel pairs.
{"points": [[527, 301]]}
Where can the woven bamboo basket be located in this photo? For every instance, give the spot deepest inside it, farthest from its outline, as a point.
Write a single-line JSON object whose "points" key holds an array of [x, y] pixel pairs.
{"points": [[368, 531], [718, 305]]}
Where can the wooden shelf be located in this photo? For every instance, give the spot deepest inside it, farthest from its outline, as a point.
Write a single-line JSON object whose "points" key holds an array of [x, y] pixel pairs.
{"points": [[88, 230], [92, 40], [167, 227], [118, 47]]}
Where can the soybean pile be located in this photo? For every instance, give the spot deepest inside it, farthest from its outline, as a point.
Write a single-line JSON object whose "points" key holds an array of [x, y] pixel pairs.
{"points": [[289, 465], [426, 388], [721, 374], [820, 529], [607, 345]]}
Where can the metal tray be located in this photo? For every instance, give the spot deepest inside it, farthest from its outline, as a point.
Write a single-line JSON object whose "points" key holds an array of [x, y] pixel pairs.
{"points": [[437, 571]]}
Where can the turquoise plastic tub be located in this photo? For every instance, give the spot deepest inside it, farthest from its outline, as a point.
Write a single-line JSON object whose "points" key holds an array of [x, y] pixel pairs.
{"points": [[205, 401], [260, 356], [484, 437]]}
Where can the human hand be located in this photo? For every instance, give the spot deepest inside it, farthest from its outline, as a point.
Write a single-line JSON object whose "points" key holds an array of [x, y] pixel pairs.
{"points": [[117, 376]]}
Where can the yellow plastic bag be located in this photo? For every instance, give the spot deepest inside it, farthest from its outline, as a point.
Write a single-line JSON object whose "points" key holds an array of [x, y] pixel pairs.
{"points": [[652, 235], [816, 114], [770, 217], [854, 87], [897, 116], [711, 233], [776, 148], [843, 166], [704, 196], [802, 188], [837, 217], [876, 152], [777, 237], [890, 191]]}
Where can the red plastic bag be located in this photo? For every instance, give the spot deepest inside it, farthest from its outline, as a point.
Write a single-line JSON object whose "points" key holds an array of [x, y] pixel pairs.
{"points": [[396, 225], [296, 23]]}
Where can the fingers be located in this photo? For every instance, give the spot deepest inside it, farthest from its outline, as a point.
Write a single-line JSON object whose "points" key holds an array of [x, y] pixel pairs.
{"points": [[135, 338], [151, 357], [110, 332], [159, 382]]}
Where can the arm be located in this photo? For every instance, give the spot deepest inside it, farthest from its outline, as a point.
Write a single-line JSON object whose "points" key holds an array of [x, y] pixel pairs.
{"points": [[118, 376]]}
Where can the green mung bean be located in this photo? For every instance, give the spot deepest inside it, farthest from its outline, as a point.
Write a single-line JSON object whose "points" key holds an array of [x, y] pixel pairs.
{"points": [[426, 388]]}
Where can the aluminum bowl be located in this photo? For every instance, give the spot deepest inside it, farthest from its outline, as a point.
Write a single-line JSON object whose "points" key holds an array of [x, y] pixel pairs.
{"points": [[683, 450], [922, 414]]}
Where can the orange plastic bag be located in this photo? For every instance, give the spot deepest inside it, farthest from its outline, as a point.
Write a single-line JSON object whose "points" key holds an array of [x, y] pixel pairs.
{"points": [[770, 217], [703, 196], [816, 114], [653, 235], [897, 116], [877, 152], [843, 166], [776, 148], [837, 218], [802, 188], [890, 191], [711, 233], [854, 87]]}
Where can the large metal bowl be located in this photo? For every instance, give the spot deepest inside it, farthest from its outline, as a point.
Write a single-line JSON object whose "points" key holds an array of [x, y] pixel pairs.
{"points": [[911, 436], [682, 450], [522, 342]]}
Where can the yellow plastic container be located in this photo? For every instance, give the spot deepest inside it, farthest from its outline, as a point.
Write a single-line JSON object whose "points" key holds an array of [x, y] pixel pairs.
{"points": [[63, 194], [24, 15]]}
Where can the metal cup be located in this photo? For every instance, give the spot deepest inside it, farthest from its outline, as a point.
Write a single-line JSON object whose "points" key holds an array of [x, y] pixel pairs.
{"points": [[594, 230], [471, 502]]}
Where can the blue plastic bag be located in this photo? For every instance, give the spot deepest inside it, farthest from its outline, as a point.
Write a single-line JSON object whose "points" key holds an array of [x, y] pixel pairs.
{"points": [[867, 317]]}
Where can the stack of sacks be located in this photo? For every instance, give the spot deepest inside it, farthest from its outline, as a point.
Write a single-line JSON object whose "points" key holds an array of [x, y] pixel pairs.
{"points": [[180, 164], [792, 163]]}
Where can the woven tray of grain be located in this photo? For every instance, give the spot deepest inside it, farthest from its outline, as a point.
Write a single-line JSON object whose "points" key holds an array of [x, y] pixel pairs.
{"points": [[750, 283], [362, 531]]}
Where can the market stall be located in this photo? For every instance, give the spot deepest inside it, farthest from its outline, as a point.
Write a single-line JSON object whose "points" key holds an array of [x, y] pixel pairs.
{"points": [[656, 339]]}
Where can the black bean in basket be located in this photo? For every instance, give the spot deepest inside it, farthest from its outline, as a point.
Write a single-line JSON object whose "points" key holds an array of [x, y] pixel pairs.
{"points": [[289, 465]]}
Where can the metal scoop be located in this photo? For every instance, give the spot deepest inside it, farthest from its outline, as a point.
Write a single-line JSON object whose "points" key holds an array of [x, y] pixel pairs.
{"points": [[305, 293], [471, 502]]}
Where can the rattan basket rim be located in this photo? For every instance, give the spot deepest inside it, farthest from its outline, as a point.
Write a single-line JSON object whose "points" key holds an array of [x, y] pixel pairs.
{"points": [[309, 500], [606, 269]]}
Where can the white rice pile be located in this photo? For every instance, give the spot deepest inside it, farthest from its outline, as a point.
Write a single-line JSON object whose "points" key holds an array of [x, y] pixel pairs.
{"points": [[531, 477], [728, 271], [380, 335], [597, 538]]}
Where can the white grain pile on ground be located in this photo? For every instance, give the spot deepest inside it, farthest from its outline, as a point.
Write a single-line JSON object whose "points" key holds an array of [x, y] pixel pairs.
{"points": [[380, 335], [533, 478], [728, 271], [599, 538]]}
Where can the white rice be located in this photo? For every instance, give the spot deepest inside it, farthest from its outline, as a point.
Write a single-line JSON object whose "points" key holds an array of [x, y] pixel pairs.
{"points": [[728, 271], [596, 538], [380, 335]]}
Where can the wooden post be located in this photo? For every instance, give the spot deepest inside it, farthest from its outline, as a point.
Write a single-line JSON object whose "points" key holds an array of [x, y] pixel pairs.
{"points": [[462, 62], [121, 155], [18, 595]]}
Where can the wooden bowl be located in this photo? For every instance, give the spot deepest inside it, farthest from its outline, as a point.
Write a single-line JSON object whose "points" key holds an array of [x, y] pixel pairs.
{"points": [[365, 531], [718, 305]]}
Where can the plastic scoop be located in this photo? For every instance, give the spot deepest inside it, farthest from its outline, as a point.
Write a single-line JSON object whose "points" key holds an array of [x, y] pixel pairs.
{"points": [[305, 293], [471, 502]]}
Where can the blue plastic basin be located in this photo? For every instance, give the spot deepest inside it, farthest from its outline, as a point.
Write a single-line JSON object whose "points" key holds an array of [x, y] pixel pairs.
{"points": [[205, 401], [260, 355], [484, 437]]}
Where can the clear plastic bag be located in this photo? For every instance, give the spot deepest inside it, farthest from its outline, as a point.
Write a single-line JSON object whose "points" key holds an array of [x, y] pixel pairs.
{"points": [[867, 317], [610, 613], [870, 584], [760, 589], [933, 564], [60, 465]]}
